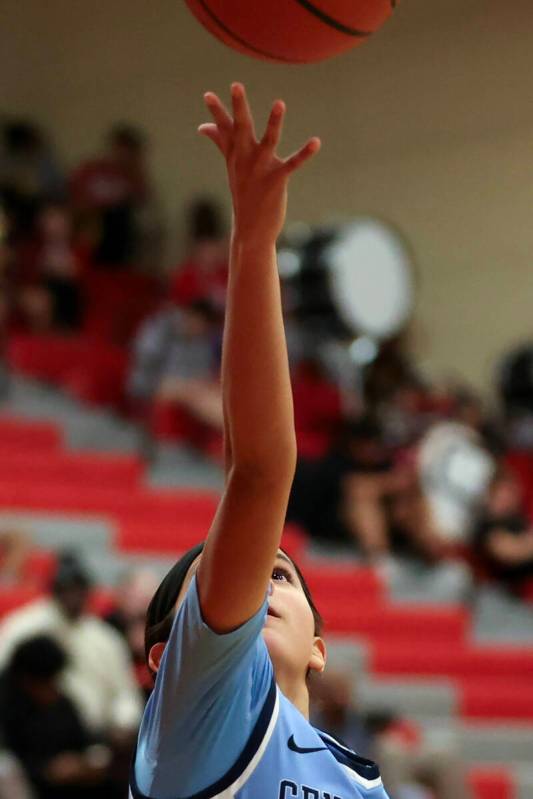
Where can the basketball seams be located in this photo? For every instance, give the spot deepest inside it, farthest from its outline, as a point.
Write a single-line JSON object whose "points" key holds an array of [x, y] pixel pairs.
{"points": [[239, 40], [331, 21]]}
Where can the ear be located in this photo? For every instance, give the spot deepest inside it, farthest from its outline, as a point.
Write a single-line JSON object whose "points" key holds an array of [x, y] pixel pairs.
{"points": [[319, 656], [156, 653]]}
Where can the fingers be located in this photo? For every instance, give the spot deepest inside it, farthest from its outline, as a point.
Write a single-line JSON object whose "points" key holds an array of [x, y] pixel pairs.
{"points": [[274, 126], [304, 154], [212, 131], [242, 116], [218, 112]]}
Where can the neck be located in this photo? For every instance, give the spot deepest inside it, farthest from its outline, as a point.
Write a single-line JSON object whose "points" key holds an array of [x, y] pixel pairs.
{"points": [[296, 692]]}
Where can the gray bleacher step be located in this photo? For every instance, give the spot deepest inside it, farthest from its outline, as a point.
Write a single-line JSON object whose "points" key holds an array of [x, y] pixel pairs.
{"points": [[103, 432], [109, 571], [178, 466], [500, 618], [416, 698], [524, 780], [51, 531], [410, 581], [496, 743], [347, 656], [84, 427]]}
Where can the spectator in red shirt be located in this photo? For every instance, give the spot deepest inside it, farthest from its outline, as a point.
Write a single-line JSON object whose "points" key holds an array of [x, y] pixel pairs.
{"points": [[108, 194], [203, 275], [48, 271]]}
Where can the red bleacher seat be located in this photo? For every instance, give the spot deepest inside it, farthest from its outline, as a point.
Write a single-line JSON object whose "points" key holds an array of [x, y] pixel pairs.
{"points": [[342, 584], [496, 698], [467, 660], [491, 783], [156, 507], [84, 468], [13, 597], [39, 568], [379, 621], [20, 435], [179, 534], [91, 370]]}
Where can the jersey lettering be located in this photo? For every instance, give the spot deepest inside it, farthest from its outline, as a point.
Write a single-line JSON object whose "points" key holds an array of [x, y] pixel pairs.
{"points": [[288, 789]]}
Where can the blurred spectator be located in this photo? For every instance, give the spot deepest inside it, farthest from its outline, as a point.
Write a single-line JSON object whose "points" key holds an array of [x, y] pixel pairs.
{"points": [[504, 535], [128, 616], [98, 677], [411, 767], [176, 361], [469, 409], [43, 729], [14, 548], [455, 471], [49, 270], [204, 272], [29, 175], [13, 781], [109, 193], [5, 300], [342, 497], [317, 407], [408, 412]]}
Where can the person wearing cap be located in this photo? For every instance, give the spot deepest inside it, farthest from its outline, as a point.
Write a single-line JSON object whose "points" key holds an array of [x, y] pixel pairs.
{"points": [[232, 634], [98, 676]]}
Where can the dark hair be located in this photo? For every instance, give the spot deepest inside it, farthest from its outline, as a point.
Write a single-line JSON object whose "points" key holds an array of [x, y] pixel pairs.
{"points": [[160, 613], [39, 658], [126, 135], [70, 573], [204, 221], [20, 136], [203, 307]]}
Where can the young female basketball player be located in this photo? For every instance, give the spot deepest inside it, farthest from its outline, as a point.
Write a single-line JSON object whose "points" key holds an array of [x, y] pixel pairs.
{"points": [[232, 632]]}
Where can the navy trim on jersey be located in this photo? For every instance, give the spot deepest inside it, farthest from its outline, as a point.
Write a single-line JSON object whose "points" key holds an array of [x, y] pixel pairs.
{"points": [[240, 765], [342, 754]]}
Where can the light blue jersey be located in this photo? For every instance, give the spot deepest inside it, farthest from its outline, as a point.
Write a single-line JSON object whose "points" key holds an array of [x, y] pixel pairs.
{"points": [[216, 725]]}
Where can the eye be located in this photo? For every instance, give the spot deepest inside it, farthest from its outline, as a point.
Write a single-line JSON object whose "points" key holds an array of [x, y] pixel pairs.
{"points": [[280, 574]]}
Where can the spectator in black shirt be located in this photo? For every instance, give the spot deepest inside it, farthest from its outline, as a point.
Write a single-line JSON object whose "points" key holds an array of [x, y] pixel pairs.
{"points": [[343, 497], [504, 537], [43, 729]]}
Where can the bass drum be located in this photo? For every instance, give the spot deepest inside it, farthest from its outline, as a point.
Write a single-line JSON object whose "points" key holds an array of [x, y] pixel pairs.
{"points": [[351, 281]]}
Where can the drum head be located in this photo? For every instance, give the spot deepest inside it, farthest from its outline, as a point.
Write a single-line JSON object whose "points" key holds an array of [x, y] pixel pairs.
{"points": [[371, 278]]}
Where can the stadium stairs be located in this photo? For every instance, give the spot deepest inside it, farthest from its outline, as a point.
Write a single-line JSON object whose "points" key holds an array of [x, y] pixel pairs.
{"points": [[70, 475]]}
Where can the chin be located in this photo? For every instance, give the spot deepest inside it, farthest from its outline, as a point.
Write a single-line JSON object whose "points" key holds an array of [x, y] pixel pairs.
{"points": [[275, 644]]}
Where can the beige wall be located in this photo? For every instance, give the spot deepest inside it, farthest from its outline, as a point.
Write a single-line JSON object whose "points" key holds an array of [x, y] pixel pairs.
{"points": [[429, 125]]}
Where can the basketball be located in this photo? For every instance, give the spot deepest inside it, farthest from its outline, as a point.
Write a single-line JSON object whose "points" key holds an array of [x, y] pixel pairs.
{"points": [[292, 31]]}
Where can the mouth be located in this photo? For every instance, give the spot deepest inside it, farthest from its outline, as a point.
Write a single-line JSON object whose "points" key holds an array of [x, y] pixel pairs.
{"points": [[272, 612]]}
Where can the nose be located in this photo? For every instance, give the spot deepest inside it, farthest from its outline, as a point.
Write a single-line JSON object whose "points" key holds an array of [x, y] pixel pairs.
{"points": [[270, 588]]}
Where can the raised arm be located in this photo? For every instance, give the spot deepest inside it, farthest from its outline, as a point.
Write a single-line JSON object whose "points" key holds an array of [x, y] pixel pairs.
{"points": [[241, 546]]}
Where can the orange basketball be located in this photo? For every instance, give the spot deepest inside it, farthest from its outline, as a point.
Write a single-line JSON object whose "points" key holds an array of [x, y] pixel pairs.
{"points": [[292, 31]]}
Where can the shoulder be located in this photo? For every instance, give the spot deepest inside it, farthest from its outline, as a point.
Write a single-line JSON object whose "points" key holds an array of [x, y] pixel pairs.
{"points": [[364, 772]]}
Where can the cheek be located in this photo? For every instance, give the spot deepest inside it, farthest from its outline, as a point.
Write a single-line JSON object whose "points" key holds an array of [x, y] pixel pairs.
{"points": [[300, 615]]}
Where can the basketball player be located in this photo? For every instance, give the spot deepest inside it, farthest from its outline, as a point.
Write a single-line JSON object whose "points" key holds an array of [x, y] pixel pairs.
{"points": [[232, 632]]}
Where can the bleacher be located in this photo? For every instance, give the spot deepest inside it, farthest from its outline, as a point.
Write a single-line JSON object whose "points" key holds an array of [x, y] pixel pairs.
{"points": [[423, 659]]}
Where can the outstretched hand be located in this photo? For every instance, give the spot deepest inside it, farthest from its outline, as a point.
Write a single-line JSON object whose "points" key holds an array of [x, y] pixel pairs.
{"points": [[257, 175]]}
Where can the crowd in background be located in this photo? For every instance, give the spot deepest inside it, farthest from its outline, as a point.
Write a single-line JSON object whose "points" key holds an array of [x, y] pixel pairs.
{"points": [[401, 468]]}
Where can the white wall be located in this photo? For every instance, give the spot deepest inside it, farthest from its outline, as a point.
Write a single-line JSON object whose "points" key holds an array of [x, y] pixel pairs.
{"points": [[429, 125]]}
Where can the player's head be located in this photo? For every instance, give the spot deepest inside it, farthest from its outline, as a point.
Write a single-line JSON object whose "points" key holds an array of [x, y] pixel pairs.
{"points": [[292, 629]]}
